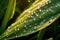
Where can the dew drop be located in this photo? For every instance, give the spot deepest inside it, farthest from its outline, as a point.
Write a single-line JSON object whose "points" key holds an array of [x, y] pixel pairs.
{"points": [[8, 27], [47, 10], [30, 31], [56, 6], [40, 10], [30, 26], [44, 20], [8, 30], [17, 25], [49, 1], [34, 19], [28, 16], [18, 29], [5, 39], [29, 11], [6, 36], [51, 10], [50, 20], [25, 21], [25, 26], [41, 23], [16, 36], [12, 24], [38, 7], [28, 0], [43, 13], [36, 14], [35, 24], [31, 16], [46, 2], [40, 17], [24, 31], [15, 29], [35, 27], [32, 13]]}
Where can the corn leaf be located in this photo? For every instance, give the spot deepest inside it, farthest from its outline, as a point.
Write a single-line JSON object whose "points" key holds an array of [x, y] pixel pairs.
{"points": [[9, 14], [37, 17]]}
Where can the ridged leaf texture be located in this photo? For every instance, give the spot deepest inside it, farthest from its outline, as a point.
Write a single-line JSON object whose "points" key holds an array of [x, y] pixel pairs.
{"points": [[38, 16]]}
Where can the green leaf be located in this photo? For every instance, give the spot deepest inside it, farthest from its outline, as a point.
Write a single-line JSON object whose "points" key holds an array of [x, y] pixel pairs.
{"points": [[9, 14], [36, 18], [3, 6], [41, 34]]}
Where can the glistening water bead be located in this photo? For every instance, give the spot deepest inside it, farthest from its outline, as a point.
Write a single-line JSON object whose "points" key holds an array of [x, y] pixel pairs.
{"points": [[24, 31], [35, 27]]}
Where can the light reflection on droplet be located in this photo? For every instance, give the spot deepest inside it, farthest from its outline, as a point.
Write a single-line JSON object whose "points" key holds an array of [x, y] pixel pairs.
{"points": [[34, 19], [35, 27], [5, 39], [40, 10], [24, 31], [30, 26], [41, 23], [25, 26], [36, 14], [18, 29], [49, 1]]}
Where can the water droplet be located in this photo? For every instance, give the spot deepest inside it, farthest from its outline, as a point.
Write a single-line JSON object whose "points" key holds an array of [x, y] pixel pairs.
{"points": [[49, 1], [41, 23], [17, 25], [32, 13], [50, 20], [18, 29], [40, 17], [43, 12], [38, 7], [56, 6], [6, 36], [8, 27], [44, 20], [31, 16], [36, 14], [25, 21], [16, 36], [30, 31], [28, 16], [24, 31], [28, 0], [47, 10], [30, 26], [40, 10], [51, 10], [25, 26], [8, 30], [15, 29], [34, 19], [46, 2], [12, 24], [29, 11], [35, 27], [35, 24]]}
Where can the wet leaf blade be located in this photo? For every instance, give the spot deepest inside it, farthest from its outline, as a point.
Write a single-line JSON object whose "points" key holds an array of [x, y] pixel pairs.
{"points": [[40, 19], [9, 13]]}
